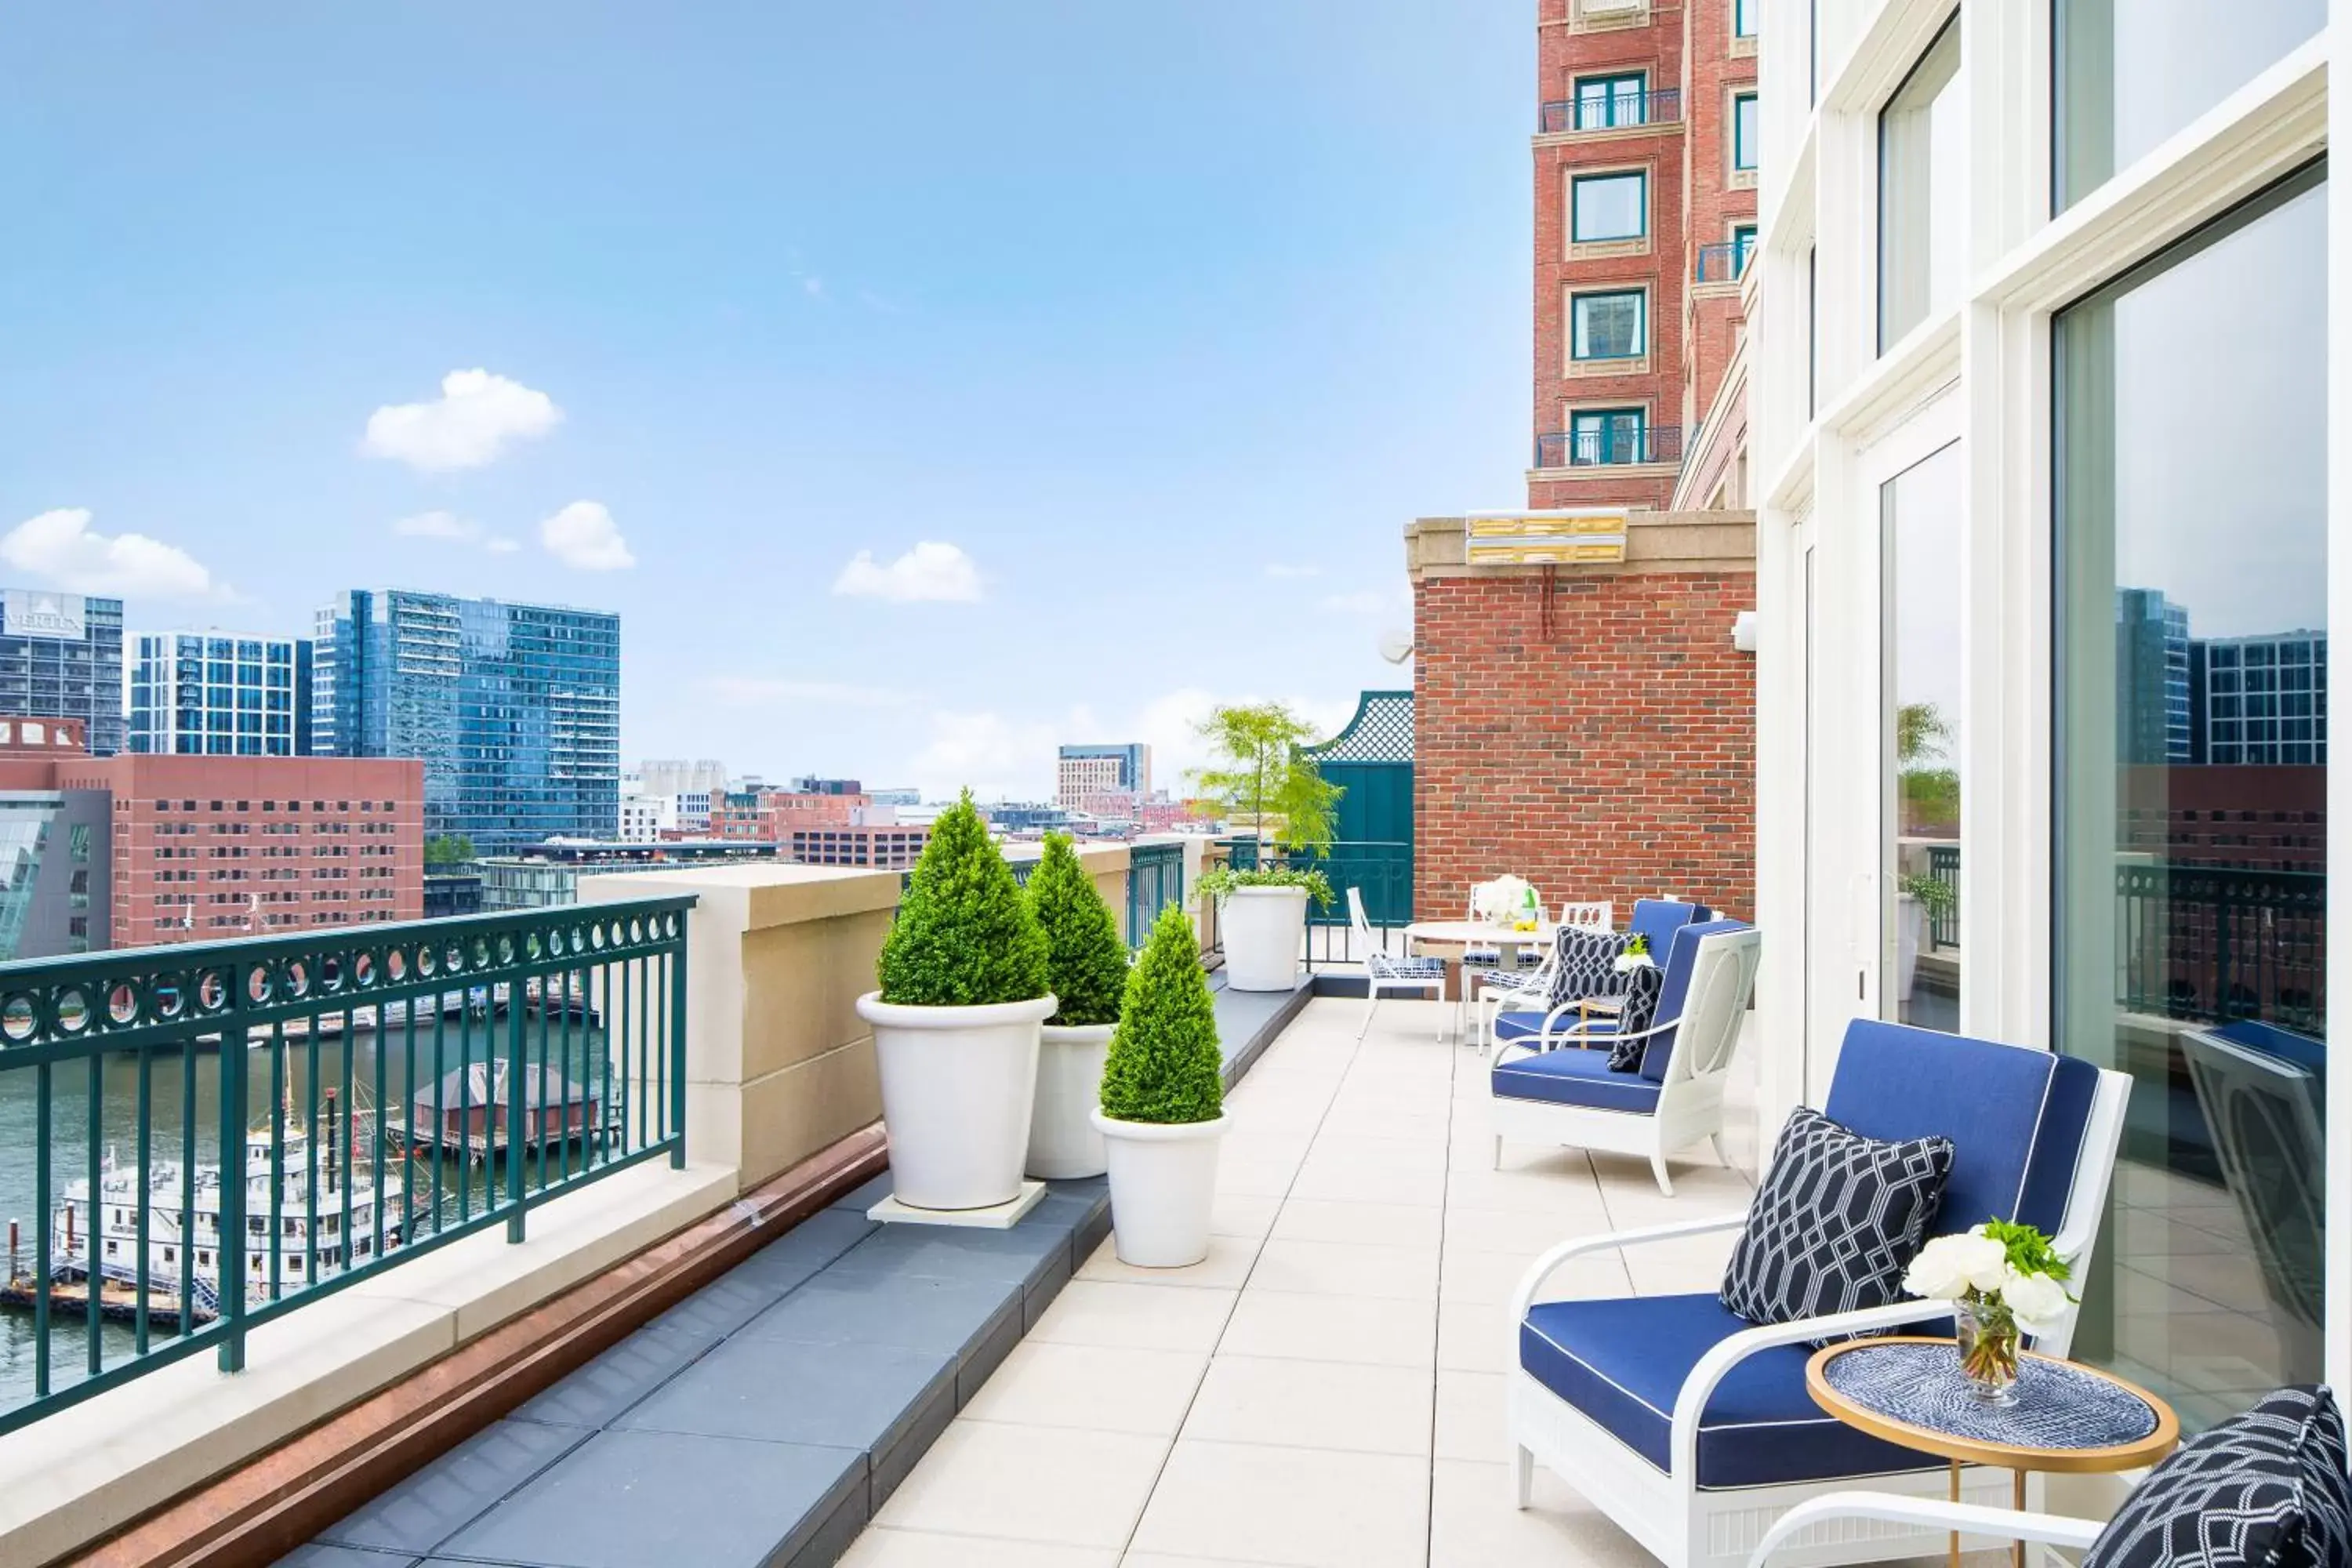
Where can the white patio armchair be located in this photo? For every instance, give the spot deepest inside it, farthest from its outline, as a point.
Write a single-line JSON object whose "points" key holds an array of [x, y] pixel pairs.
{"points": [[1540, 1093], [1385, 974], [1496, 987], [1692, 1428]]}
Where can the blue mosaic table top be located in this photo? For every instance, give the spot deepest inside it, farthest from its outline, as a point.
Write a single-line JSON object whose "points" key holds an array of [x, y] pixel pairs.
{"points": [[2059, 1404]]}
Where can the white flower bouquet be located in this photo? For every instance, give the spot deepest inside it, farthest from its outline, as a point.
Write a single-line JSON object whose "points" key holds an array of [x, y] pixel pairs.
{"points": [[2002, 1279], [1500, 901]]}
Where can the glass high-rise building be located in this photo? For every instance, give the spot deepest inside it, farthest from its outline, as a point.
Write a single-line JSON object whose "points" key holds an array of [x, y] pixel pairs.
{"points": [[61, 658], [514, 708], [219, 694]]}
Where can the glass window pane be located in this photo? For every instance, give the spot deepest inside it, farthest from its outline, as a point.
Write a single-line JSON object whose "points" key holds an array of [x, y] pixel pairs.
{"points": [[2191, 828], [1922, 182], [1607, 435], [1608, 326], [1743, 17], [1743, 130], [1603, 102], [1610, 206], [1920, 514], [2121, 89]]}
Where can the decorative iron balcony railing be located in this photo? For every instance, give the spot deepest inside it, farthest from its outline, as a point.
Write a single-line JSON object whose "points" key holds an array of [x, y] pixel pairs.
{"points": [[200, 1138], [1614, 111], [1609, 446], [1724, 263]]}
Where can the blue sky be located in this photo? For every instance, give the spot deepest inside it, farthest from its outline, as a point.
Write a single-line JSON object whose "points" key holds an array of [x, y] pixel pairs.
{"points": [[1165, 319]]}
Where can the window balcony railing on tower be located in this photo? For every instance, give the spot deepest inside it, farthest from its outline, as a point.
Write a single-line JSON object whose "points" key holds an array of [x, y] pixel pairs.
{"points": [[1724, 263], [1609, 446], [1613, 109]]}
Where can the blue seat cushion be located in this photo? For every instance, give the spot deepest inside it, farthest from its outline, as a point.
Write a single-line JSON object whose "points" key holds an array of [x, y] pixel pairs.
{"points": [[1528, 1025], [1622, 1363], [1574, 1077], [2016, 1116]]}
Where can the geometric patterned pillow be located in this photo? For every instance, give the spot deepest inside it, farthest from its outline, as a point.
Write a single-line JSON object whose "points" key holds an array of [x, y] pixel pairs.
{"points": [[2266, 1489], [1588, 964], [1835, 1223], [1640, 1011]]}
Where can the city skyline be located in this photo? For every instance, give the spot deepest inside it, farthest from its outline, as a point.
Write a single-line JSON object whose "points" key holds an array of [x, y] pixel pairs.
{"points": [[850, 434]]}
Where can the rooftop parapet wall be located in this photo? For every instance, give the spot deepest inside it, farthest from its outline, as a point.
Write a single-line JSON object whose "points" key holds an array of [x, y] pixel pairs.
{"points": [[1654, 542]]}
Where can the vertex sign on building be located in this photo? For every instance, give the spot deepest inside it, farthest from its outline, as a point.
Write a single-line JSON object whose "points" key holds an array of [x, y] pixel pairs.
{"points": [[1567, 536], [28, 613]]}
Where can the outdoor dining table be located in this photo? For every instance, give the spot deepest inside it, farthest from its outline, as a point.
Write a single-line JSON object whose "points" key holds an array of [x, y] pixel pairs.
{"points": [[1461, 936]]}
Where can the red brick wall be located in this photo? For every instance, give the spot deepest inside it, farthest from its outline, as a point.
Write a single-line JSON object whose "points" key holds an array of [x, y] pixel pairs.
{"points": [[1615, 760]]}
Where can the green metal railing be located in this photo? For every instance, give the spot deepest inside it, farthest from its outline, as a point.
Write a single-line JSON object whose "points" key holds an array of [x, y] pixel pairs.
{"points": [[2214, 944], [198, 1138], [1155, 879], [1382, 871], [1944, 924]]}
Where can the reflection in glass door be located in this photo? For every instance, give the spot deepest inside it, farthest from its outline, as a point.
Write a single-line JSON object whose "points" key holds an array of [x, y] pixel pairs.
{"points": [[2190, 830], [1920, 521]]}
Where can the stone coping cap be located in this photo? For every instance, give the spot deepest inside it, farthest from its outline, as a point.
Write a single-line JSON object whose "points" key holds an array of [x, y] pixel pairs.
{"points": [[1654, 542]]}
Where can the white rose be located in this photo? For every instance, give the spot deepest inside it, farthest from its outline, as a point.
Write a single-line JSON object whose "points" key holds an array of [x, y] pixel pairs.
{"points": [[1936, 1271], [2037, 1301]]}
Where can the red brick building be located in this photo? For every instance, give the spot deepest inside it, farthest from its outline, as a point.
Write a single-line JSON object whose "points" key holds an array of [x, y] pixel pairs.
{"points": [[1645, 216], [1592, 728]]}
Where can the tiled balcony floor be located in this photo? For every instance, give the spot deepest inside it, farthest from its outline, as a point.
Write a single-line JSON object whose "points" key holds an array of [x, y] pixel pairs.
{"points": [[1326, 1388]]}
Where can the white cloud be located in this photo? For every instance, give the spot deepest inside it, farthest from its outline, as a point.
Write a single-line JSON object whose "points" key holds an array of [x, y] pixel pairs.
{"points": [[585, 537], [456, 529], [996, 757], [773, 691], [467, 426], [1366, 603], [1285, 569], [930, 572], [59, 546]]}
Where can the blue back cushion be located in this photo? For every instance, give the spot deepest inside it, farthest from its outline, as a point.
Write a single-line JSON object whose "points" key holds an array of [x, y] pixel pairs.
{"points": [[1659, 919], [2016, 1116], [1681, 958], [2302, 1050]]}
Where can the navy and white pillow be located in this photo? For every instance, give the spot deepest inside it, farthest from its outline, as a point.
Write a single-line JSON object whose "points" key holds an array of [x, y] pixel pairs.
{"points": [[1640, 1011], [1588, 964], [1836, 1222], [2264, 1490]]}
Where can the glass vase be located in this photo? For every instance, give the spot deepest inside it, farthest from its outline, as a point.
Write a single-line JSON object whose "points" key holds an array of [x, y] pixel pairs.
{"points": [[1987, 1337]]}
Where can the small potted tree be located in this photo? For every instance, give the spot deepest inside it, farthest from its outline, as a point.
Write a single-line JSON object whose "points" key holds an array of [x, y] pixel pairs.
{"points": [[964, 993], [1274, 787], [1086, 962], [1162, 1111]]}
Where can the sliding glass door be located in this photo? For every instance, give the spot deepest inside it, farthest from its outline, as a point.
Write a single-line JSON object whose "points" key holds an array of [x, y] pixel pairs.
{"points": [[2191, 818]]}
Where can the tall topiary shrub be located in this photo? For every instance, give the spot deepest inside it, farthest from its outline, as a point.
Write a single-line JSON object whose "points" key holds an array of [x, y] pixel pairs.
{"points": [[1085, 958], [1164, 1065], [964, 936]]}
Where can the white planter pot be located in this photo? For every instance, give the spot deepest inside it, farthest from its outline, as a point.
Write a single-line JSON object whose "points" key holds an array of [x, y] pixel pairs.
{"points": [[1910, 936], [957, 1086], [1263, 929], [1163, 1184], [1062, 1143]]}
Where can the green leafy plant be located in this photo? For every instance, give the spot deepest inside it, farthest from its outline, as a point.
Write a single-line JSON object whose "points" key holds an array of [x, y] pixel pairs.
{"points": [[1216, 884], [1938, 898], [1637, 946], [448, 850], [1268, 781], [964, 936], [2030, 1251], [1164, 1065], [1085, 958]]}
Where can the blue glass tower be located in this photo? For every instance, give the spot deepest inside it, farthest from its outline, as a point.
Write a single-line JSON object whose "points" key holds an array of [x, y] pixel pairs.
{"points": [[514, 708], [217, 694]]}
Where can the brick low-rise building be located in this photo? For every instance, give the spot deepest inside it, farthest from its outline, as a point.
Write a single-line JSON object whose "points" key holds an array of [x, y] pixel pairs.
{"points": [[1592, 729], [208, 848], [132, 851]]}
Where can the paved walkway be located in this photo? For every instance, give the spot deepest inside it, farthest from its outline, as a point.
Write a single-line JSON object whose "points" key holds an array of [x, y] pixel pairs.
{"points": [[1327, 1387]]}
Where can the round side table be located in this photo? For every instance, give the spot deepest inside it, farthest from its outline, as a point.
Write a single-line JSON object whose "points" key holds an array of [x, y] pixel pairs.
{"points": [[2068, 1418]]}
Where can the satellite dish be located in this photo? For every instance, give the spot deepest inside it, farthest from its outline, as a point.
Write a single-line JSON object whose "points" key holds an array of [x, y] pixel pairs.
{"points": [[1396, 646]]}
